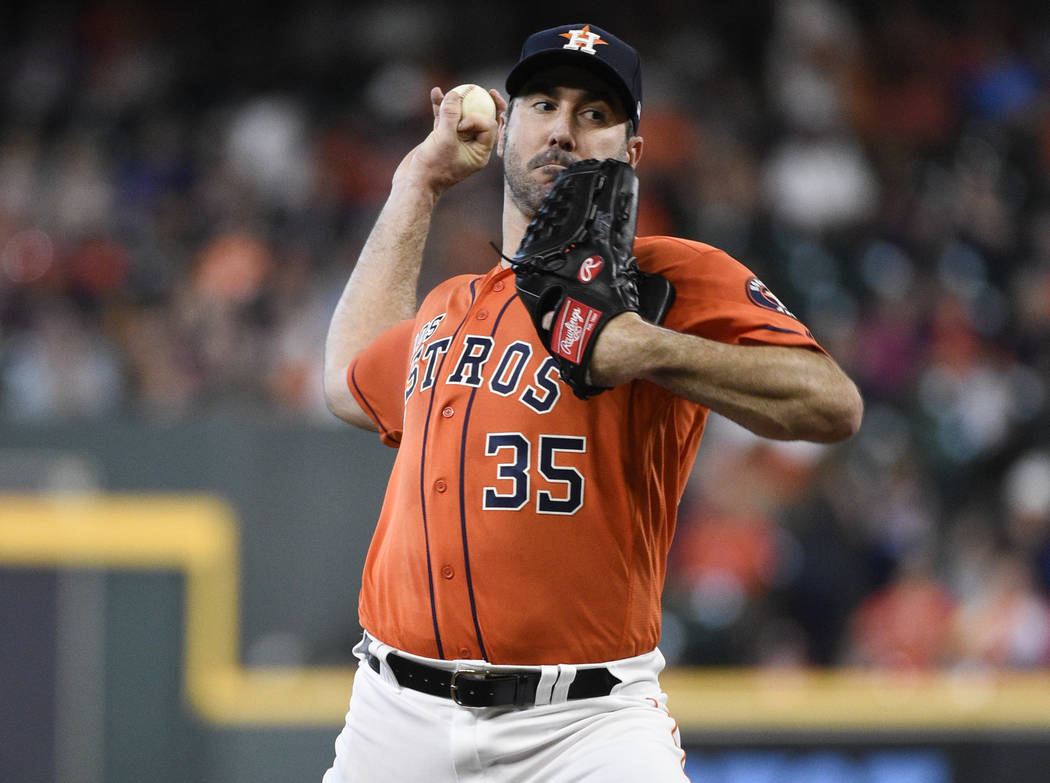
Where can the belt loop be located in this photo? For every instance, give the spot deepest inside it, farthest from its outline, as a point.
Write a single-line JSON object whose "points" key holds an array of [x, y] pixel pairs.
{"points": [[545, 688], [361, 648], [374, 650], [566, 674]]}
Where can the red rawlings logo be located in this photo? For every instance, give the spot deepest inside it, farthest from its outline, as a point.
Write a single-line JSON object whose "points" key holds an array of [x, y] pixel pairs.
{"points": [[589, 268], [573, 330]]}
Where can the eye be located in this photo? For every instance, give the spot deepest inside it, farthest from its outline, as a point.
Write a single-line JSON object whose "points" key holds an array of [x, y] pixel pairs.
{"points": [[595, 115], [543, 105]]}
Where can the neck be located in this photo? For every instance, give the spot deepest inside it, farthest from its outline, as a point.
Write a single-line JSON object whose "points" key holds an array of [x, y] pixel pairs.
{"points": [[514, 224]]}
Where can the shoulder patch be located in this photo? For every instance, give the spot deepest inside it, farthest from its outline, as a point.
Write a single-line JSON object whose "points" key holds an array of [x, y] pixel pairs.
{"points": [[760, 295]]}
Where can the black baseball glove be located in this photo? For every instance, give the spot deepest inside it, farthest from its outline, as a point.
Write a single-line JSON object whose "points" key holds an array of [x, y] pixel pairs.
{"points": [[575, 269]]}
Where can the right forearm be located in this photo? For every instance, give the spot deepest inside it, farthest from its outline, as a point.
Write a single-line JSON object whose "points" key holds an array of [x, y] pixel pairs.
{"points": [[381, 290]]}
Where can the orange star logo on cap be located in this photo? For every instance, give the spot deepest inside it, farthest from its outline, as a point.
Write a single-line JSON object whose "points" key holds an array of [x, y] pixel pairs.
{"points": [[583, 40]]}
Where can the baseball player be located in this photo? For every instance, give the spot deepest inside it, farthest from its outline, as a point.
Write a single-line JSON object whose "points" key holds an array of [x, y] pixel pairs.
{"points": [[511, 593]]}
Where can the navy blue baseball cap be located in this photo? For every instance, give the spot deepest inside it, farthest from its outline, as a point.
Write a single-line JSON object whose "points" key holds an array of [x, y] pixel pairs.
{"points": [[586, 46]]}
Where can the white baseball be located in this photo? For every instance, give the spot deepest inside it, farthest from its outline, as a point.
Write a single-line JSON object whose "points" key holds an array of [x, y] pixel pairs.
{"points": [[476, 100]]}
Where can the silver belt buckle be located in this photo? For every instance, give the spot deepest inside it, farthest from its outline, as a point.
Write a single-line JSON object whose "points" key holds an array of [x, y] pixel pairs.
{"points": [[453, 688]]}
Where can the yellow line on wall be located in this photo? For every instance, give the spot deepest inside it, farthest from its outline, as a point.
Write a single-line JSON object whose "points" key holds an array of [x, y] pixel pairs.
{"points": [[197, 536], [748, 700]]}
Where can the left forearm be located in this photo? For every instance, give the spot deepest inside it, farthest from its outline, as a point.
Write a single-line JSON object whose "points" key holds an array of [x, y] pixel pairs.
{"points": [[777, 392]]}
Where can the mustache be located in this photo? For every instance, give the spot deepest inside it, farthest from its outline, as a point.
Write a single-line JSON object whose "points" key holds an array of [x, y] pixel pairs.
{"points": [[553, 156]]}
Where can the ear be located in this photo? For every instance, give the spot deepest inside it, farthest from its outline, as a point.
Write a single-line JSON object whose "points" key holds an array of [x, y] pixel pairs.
{"points": [[501, 133], [634, 150]]}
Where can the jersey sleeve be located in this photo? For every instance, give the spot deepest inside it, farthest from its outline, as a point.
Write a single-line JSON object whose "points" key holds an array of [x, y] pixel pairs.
{"points": [[719, 298], [377, 376]]}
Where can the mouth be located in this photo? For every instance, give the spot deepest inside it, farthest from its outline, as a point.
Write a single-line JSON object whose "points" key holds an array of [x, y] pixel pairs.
{"points": [[553, 168], [553, 164]]}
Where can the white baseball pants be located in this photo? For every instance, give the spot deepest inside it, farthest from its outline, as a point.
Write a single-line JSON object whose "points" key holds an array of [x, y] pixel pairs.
{"points": [[398, 734]]}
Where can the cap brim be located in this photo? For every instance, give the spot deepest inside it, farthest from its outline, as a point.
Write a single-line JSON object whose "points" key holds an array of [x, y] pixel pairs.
{"points": [[530, 66]]}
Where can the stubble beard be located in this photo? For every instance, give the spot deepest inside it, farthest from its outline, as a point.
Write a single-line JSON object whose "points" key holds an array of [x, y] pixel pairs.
{"points": [[525, 186]]}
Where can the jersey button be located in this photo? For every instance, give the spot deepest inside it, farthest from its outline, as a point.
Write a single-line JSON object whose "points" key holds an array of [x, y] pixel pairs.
{"points": [[440, 485], [448, 412], [447, 571], [464, 652], [482, 315], [497, 286]]}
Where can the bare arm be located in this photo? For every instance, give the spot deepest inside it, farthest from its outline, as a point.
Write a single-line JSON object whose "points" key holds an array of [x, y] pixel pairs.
{"points": [[381, 290], [777, 392]]}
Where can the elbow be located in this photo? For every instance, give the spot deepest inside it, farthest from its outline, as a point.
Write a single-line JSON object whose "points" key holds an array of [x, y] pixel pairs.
{"points": [[341, 402], [334, 390], [337, 396], [337, 407], [841, 415]]}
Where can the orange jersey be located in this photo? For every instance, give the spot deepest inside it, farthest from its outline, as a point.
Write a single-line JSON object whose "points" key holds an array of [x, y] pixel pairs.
{"points": [[521, 524]]}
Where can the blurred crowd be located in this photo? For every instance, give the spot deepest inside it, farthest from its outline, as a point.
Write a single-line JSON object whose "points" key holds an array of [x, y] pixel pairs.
{"points": [[183, 192]]}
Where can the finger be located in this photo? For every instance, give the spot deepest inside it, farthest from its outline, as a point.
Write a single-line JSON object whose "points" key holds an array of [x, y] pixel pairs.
{"points": [[474, 125], [480, 127], [436, 97], [449, 110]]}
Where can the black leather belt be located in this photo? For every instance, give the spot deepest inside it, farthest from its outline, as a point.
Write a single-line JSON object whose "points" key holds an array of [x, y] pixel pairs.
{"points": [[473, 688]]}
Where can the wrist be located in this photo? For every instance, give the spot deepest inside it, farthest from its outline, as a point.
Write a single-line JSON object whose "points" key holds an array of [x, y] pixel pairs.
{"points": [[415, 181], [417, 185], [624, 351]]}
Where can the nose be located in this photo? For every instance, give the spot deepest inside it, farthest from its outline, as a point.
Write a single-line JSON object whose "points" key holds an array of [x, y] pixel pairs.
{"points": [[562, 132]]}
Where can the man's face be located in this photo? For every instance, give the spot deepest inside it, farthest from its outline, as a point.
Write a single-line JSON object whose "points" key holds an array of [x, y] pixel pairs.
{"points": [[560, 116]]}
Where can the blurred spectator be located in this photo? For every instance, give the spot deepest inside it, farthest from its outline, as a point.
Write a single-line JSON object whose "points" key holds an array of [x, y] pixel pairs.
{"points": [[1026, 500], [817, 177], [59, 370], [1006, 623], [820, 184], [904, 625]]}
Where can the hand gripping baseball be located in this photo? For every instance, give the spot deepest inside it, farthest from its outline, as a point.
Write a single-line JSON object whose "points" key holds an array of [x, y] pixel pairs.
{"points": [[575, 264], [459, 144]]}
